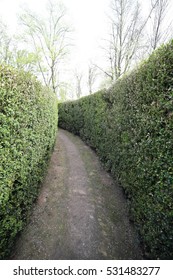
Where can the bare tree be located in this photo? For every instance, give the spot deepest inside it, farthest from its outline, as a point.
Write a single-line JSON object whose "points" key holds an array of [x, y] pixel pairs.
{"points": [[126, 32], [159, 33], [5, 45], [92, 74], [125, 44], [48, 37], [78, 77]]}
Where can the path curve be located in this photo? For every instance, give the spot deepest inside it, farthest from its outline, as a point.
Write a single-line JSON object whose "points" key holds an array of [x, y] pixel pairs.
{"points": [[80, 213]]}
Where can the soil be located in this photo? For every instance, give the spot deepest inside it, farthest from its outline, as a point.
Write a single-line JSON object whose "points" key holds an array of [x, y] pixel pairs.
{"points": [[81, 213]]}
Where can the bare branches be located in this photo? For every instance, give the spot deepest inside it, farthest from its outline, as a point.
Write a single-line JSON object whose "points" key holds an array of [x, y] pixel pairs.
{"points": [[5, 45], [78, 76], [48, 37], [105, 72], [126, 30], [92, 74], [127, 41], [158, 33]]}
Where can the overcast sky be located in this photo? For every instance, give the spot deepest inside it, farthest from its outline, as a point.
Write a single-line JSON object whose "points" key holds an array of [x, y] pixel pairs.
{"points": [[87, 17]]}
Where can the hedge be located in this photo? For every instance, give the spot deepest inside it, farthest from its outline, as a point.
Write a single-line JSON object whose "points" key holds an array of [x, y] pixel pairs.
{"points": [[28, 125], [130, 126]]}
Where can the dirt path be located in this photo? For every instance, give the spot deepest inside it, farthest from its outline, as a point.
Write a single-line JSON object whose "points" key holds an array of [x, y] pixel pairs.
{"points": [[80, 213]]}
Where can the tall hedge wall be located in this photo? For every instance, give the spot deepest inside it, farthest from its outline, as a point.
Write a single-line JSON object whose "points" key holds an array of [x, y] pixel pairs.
{"points": [[130, 126], [28, 125]]}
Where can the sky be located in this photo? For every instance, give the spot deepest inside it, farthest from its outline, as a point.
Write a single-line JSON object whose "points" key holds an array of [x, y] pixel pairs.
{"points": [[88, 19]]}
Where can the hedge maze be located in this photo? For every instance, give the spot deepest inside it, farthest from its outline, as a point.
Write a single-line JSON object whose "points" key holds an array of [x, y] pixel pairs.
{"points": [[130, 126]]}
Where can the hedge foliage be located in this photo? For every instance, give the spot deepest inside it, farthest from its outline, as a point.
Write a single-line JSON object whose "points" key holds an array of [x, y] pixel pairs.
{"points": [[130, 126], [28, 125]]}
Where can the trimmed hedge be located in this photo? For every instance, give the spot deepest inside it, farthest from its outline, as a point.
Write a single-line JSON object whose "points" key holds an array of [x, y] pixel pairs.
{"points": [[130, 126], [28, 125]]}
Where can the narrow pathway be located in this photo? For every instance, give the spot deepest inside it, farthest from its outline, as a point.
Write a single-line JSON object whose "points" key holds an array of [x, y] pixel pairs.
{"points": [[80, 213]]}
